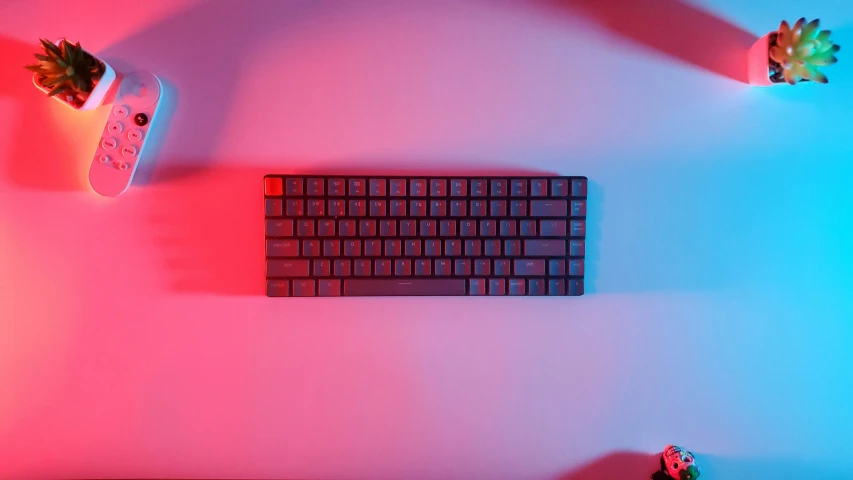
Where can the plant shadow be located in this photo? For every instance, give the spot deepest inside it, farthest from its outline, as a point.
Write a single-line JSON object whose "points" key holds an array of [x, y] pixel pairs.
{"points": [[617, 465], [208, 226], [674, 28]]}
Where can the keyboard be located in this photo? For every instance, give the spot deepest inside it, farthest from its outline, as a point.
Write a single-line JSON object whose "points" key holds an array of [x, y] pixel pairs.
{"points": [[329, 236]]}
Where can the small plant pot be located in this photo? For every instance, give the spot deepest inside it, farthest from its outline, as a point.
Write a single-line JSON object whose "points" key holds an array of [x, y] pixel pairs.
{"points": [[761, 70], [95, 97]]}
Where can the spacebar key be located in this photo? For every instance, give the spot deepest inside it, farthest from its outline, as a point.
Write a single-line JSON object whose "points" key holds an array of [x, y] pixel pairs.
{"points": [[381, 287]]}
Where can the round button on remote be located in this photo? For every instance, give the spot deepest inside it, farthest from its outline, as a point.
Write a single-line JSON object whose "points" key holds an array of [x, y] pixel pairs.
{"points": [[121, 111], [124, 166], [109, 144], [128, 151], [115, 128], [104, 159], [140, 90], [135, 135], [140, 119]]}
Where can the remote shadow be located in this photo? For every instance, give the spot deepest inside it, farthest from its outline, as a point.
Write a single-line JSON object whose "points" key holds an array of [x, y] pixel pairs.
{"points": [[617, 465], [674, 28]]}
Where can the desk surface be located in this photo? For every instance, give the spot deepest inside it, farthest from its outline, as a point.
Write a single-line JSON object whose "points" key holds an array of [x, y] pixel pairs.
{"points": [[135, 339]]}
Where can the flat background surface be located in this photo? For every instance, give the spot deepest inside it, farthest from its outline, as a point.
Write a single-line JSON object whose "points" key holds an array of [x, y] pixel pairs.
{"points": [[135, 339]]}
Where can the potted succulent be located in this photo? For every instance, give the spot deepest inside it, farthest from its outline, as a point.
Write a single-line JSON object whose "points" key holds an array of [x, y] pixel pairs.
{"points": [[71, 75], [791, 55]]}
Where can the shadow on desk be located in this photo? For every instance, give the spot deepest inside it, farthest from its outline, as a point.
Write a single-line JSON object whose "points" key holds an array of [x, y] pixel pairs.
{"points": [[208, 225], [617, 465]]}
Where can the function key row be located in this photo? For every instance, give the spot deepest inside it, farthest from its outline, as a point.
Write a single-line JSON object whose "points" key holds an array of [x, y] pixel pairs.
{"points": [[424, 187], [318, 207]]}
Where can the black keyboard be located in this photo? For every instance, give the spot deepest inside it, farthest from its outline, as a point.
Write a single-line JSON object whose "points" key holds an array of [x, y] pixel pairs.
{"points": [[330, 236]]}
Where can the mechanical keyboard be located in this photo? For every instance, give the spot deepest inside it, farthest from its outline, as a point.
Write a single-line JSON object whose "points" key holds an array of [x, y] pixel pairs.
{"points": [[332, 236]]}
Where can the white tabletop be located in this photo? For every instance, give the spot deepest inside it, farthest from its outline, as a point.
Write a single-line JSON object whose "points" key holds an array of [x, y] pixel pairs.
{"points": [[136, 340]]}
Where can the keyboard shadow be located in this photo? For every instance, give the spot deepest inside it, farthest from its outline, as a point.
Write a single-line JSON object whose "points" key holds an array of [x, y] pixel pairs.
{"points": [[208, 227]]}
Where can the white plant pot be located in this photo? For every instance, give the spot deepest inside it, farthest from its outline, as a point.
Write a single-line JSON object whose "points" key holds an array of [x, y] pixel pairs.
{"points": [[96, 97], [758, 63]]}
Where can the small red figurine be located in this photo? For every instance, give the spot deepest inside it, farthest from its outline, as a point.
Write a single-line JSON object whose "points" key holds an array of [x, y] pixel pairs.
{"points": [[677, 464]]}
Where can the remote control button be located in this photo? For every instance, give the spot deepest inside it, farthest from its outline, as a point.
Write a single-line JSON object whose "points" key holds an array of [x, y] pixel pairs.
{"points": [[115, 128], [104, 159], [140, 119], [139, 90], [128, 151], [135, 135], [121, 111], [109, 144], [123, 166]]}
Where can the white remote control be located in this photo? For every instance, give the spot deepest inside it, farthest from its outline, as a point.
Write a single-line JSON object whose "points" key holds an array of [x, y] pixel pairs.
{"points": [[122, 144]]}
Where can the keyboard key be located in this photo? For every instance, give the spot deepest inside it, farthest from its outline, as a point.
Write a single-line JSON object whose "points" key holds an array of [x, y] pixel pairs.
{"points": [[498, 188], [295, 208], [477, 286], [497, 286], [482, 267], [316, 187], [528, 228], [578, 208], [294, 187], [438, 187], [332, 248], [402, 267], [493, 248], [378, 208], [372, 248], [577, 248], [518, 188], [458, 208], [539, 188], [305, 228], [303, 288], [330, 288], [453, 248], [398, 188], [418, 187], [548, 208], [388, 228], [502, 267], [352, 248], [393, 248], [473, 248], [346, 228], [576, 267], [423, 267], [462, 266], [337, 208], [377, 187], [559, 187], [273, 207], [443, 267], [326, 228], [429, 228], [316, 208], [459, 187], [273, 186], [448, 228], [398, 208], [409, 287], [518, 208], [479, 188], [545, 248], [557, 268], [534, 267], [362, 268], [279, 228], [432, 248], [497, 208], [478, 208], [556, 286], [553, 228], [282, 248], [468, 228], [357, 208], [418, 208], [382, 268], [343, 268], [310, 248], [508, 228], [517, 286], [413, 248], [322, 268], [488, 228], [278, 288], [575, 286], [287, 268], [337, 187], [579, 187], [357, 187], [367, 228], [536, 286], [438, 208], [578, 228], [512, 248]]}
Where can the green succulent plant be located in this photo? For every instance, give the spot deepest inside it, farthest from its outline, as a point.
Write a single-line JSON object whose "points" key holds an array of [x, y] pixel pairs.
{"points": [[801, 50], [66, 69]]}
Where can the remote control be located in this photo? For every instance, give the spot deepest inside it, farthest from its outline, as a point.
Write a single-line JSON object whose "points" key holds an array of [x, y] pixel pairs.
{"points": [[122, 143]]}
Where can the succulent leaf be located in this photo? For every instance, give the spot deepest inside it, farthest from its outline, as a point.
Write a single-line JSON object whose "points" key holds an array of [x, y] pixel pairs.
{"points": [[801, 49], [66, 67]]}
